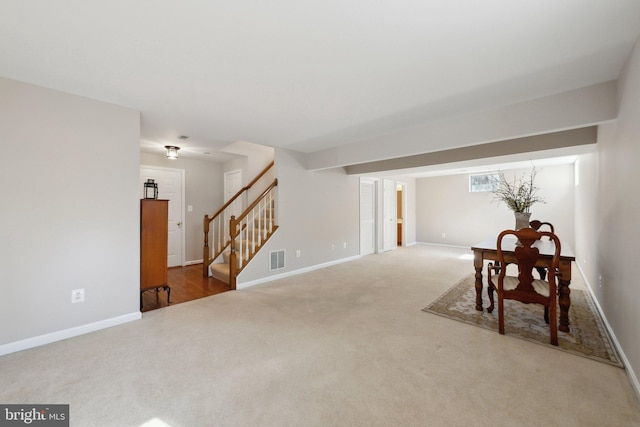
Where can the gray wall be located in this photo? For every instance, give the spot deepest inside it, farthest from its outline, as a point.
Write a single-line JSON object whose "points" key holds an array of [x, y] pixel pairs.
{"points": [[315, 211], [70, 215], [445, 205], [204, 190], [609, 204], [241, 164]]}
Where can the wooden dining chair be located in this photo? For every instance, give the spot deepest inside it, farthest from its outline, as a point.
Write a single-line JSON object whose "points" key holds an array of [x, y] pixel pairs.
{"points": [[536, 225], [494, 268], [524, 287]]}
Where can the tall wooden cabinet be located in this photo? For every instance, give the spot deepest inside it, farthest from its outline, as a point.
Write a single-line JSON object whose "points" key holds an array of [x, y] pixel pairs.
{"points": [[154, 219]]}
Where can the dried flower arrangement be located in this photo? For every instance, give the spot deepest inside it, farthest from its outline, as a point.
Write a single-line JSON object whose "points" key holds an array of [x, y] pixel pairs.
{"points": [[519, 194]]}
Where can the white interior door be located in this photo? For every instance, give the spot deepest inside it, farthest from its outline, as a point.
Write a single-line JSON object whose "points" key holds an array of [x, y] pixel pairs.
{"points": [[233, 184], [170, 187], [389, 222], [367, 217]]}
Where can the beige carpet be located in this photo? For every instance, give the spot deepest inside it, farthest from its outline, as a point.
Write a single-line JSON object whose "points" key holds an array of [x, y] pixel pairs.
{"points": [[587, 336], [346, 345]]}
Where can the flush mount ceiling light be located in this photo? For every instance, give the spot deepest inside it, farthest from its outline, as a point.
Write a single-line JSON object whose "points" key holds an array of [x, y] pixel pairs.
{"points": [[172, 151]]}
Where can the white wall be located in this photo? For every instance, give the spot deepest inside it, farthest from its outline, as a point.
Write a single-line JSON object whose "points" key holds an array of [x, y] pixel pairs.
{"points": [[445, 205], [588, 227], [204, 191], [255, 158], [410, 220], [610, 231], [70, 214], [241, 164]]}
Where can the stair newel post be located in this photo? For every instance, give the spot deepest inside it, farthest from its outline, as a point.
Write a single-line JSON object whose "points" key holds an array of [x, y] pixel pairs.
{"points": [[205, 249], [233, 263]]}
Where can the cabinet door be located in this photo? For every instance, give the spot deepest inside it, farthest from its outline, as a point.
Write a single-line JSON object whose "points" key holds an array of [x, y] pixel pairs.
{"points": [[153, 243]]}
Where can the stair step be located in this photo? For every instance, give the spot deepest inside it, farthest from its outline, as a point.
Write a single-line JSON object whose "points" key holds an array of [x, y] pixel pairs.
{"points": [[220, 272], [258, 236], [252, 245], [226, 255], [254, 235], [262, 222]]}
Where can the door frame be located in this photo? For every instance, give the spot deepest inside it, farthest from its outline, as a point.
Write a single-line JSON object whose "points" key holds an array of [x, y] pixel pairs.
{"points": [[403, 202], [182, 208], [376, 217], [389, 225]]}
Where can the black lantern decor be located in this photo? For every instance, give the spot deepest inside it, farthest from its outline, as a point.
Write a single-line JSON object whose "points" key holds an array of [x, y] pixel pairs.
{"points": [[150, 189]]}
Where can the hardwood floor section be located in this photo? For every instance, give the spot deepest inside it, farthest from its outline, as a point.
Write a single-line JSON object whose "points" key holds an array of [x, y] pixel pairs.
{"points": [[187, 284]]}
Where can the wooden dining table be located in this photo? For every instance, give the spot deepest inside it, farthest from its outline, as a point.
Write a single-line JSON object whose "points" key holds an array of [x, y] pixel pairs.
{"points": [[487, 250]]}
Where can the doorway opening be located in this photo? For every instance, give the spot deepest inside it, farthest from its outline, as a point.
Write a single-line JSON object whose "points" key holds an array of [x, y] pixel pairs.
{"points": [[401, 208], [170, 187]]}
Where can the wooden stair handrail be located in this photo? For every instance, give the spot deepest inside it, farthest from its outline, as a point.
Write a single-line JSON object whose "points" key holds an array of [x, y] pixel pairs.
{"points": [[257, 200], [206, 256], [239, 193], [260, 175], [235, 231]]}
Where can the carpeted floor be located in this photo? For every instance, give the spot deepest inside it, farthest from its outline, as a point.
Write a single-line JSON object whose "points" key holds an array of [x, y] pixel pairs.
{"points": [[346, 345], [587, 336]]}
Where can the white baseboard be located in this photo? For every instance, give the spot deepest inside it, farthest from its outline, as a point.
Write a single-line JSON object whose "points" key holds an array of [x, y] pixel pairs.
{"points": [[67, 333], [294, 272], [443, 244], [195, 261], [627, 366]]}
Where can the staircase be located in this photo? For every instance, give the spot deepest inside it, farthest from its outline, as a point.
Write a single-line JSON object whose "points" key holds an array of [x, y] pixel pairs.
{"points": [[237, 239]]}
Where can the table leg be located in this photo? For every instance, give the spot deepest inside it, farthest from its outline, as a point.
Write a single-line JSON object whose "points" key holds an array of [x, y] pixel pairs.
{"points": [[479, 288], [564, 301], [478, 263]]}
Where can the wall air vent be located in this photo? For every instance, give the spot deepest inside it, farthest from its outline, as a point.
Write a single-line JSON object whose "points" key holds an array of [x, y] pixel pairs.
{"points": [[276, 260]]}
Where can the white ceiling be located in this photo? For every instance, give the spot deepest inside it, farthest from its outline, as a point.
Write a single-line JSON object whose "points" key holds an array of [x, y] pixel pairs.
{"points": [[309, 75]]}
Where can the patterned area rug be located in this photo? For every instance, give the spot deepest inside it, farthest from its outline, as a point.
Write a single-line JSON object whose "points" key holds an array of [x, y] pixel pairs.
{"points": [[587, 336]]}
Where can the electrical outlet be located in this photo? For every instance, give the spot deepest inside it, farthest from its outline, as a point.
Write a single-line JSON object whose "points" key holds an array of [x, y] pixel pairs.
{"points": [[77, 295], [333, 247], [298, 253], [344, 245], [444, 235]]}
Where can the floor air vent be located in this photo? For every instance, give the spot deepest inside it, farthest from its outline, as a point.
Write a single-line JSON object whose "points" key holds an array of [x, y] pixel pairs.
{"points": [[276, 260]]}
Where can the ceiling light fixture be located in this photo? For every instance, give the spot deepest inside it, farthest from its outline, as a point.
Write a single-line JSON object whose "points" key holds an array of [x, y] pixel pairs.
{"points": [[172, 151]]}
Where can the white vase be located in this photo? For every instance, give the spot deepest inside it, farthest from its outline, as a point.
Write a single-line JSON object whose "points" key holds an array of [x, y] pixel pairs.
{"points": [[522, 219]]}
